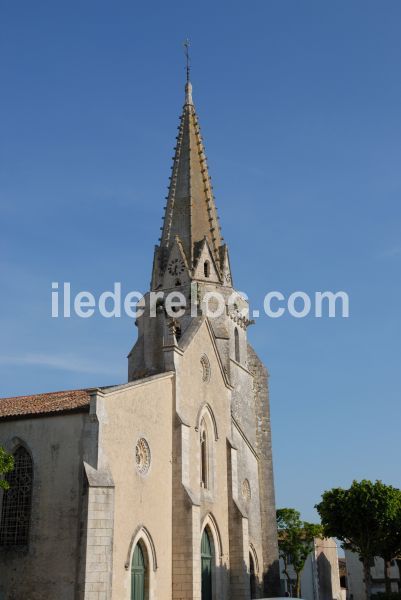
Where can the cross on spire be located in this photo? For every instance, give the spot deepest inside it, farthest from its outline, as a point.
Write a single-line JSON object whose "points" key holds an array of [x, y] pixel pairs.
{"points": [[187, 44]]}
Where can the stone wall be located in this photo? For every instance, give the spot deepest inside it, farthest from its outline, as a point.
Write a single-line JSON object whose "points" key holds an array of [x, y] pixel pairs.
{"points": [[271, 573], [47, 568]]}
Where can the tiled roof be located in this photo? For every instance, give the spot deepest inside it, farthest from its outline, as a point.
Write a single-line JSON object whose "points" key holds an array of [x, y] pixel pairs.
{"points": [[41, 404]]}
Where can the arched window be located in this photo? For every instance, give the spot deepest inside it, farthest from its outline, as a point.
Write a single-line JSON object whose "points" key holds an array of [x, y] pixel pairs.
{"points": [[207, 554], [16, 509], [139, 573], [204, 456], [236, 345], [206, 268]]}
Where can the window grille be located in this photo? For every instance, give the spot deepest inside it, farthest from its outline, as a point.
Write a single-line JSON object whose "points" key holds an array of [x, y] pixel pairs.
{"points": [[16, 509]]}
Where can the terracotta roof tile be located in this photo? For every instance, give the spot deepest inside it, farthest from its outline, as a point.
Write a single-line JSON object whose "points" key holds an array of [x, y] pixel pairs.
{"points": [[38, 404]]}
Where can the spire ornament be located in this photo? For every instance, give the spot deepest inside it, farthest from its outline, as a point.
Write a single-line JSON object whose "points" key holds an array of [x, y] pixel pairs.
{"points": [[187, 45]]}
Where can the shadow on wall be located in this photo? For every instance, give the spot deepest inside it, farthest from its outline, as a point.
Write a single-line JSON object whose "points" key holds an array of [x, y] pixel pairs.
{"points": [[271, 586], [233, 585], [324, 578]]}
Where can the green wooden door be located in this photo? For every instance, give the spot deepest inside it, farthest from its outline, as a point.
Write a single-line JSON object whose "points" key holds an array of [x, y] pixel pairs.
{"points": [[206, 558], [138, 575]]}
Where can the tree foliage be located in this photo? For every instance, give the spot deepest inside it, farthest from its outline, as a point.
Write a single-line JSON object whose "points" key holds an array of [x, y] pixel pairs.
{"points": [[366, 518], [389, 547], [6, 466], [296, 542]]}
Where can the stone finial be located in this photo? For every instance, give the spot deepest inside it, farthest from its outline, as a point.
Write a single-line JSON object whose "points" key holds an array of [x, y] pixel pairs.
{"points": [[173, 327]]}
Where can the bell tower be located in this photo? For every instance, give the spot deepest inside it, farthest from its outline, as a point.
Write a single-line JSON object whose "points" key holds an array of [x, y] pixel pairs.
{"points": [[191, 259]]}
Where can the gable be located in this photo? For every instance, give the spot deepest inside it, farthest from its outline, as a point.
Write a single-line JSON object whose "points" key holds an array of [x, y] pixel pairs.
{"points": [[177, 272], [199, 341], [205, 269]]}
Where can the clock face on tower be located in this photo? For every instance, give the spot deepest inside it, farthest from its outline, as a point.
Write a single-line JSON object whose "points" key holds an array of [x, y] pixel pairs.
{"points": [[176, 266]]}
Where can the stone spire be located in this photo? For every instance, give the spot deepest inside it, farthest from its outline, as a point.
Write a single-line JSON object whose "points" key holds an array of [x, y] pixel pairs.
{"points": [[190, 213]]}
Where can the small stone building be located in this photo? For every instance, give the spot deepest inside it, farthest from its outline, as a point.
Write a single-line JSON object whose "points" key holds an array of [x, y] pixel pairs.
{"points": [[160, 488], [355, 578], [320, 577]]}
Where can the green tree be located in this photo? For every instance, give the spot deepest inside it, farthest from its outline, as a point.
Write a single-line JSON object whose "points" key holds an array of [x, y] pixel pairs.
{"points": [[366, 518], [6, 466], [389, 546], [296, 542]]}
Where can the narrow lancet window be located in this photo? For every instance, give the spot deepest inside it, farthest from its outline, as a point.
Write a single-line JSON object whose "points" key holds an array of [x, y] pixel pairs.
{"points": [[204, 457], [206, 268], [236, 344]]}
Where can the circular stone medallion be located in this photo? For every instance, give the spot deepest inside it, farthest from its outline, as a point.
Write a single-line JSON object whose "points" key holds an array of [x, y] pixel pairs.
{"points": [[142, 456]]}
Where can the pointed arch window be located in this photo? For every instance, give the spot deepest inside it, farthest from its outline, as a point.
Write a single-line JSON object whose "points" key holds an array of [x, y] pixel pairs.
{"points": [[204, 456], [236, 345], [206, 268], [17, 500]]}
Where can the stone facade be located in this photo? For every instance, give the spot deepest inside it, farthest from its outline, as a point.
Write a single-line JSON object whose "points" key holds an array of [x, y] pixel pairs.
{"points": [[144, 471]]}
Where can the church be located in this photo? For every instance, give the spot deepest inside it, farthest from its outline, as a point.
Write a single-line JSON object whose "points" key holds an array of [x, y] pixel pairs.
{"points": [[160, 488]]}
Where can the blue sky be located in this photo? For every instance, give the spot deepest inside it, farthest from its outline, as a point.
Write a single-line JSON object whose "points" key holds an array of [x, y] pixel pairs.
{"points": [[299, 104]]}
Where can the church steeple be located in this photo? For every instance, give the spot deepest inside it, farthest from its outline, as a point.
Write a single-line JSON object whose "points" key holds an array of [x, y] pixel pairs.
{"points": [[191, 263], [190, 217]]}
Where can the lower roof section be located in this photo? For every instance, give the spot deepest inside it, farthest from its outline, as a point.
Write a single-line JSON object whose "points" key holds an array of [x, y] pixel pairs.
{"points": [[42, 404]]}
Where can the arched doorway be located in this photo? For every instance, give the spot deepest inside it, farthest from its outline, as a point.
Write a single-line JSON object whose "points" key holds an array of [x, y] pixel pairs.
{"points": [[252, 576], [139, 574], [207, 561]]}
